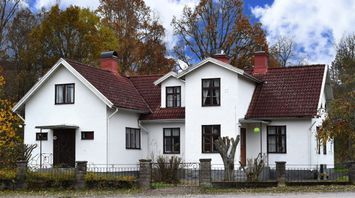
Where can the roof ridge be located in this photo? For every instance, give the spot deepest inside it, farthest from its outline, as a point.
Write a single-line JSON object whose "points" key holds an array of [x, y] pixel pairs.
{"points": [[86, 65], [298, 66]]}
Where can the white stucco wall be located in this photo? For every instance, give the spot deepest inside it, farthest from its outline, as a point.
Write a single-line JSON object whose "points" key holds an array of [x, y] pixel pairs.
{"points": [[88, 112], [117, 152], [172, 81], [301, 144], [236, 93], [155, 141]]}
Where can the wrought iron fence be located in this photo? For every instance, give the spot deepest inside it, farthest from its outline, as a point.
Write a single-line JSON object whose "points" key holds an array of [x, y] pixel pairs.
{"points": [[113, 171], [242, 175], [302, 173], [35, 171], [184, 174]]}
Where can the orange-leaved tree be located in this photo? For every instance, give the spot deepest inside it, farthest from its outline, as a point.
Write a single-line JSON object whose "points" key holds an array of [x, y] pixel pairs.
{"points": [[10, 141]]}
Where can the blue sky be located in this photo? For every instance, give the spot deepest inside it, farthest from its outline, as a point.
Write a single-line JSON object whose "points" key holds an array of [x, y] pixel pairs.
{"points": [[314, 25]]}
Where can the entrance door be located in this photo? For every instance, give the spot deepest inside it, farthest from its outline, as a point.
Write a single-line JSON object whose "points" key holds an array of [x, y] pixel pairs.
{"points": [[243, 152], [64, 147]]}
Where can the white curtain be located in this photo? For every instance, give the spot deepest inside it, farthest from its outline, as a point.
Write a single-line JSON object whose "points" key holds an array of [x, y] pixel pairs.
{"points": [[60, 97], [206, 84]]}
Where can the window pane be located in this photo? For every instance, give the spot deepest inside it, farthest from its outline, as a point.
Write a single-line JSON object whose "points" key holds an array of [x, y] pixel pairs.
{"points": [[137, 134], [205, 83], [271, 130], [177, 90], [216, 82], [128, 145], [167, 132], [60, 92], [176, 132], [70, 94]]}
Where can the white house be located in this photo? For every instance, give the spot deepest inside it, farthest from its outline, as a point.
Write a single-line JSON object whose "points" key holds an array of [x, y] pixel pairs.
{"points": [[77, 112]]}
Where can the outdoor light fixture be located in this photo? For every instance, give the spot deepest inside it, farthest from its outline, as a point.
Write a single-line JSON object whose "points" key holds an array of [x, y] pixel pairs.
{"points": [[256, 130]]}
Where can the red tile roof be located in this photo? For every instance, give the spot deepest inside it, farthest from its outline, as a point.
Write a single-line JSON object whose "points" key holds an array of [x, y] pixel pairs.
{"points": [[287, 92], [118, 89]]}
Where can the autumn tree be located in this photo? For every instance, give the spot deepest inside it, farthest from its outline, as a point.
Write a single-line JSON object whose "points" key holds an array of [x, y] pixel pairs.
{"points": [[226, 147], [19, 50], [140, 47], [9, 122], [218, 25], [340, 123], [8, 9], [74, 33]]}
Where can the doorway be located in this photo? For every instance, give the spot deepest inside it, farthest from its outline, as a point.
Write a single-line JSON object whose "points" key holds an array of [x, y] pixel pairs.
{"points": [[64, 148]]}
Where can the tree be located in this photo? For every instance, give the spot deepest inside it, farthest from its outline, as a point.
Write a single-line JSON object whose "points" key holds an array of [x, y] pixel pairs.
{"points": [[226, 147], [218, 25], [282, 52], [74, 33], [9, 123], [19, 49], [340, 123], [140, 47], [7, 10]]}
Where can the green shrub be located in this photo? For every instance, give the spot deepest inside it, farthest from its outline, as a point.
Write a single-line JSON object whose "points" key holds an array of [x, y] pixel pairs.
{"points": [[104, 180], [167, 169], [7, 174], [52, 178]]}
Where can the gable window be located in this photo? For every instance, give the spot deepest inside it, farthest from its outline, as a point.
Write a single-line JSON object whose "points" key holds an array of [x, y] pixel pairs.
{"points": [[276, 139], [173, 96], [133, 138], [64, 94], [87, 135], [171, 140], [211, 90], [210, 133], [41, 136]]}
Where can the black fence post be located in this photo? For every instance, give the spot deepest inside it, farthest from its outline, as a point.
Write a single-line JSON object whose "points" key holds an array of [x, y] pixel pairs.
{"points": [[205, 176], [145, 173], [352, 172], [80, 172], [21, 170], [281, 173]]}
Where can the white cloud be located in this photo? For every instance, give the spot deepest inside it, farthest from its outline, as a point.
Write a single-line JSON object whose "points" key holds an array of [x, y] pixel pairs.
{"points": [[314, 25], [165, 10]]}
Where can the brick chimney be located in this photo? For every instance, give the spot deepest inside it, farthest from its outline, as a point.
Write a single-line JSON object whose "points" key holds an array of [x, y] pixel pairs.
{"points": [[108, 61], [261, 60], [221, 56]]}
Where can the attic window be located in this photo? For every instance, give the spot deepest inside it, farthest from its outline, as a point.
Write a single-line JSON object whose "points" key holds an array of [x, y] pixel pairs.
{"points": [[64, 93], [173, 96]]}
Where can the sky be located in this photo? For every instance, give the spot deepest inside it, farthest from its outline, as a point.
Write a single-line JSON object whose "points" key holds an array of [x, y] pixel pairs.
{"points": [[314, 25]]}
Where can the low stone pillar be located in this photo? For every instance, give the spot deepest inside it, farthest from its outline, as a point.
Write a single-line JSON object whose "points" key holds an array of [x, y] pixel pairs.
{"points": [[352, 172], [21, 174], [205, 176], [145, 173], [281, 173], [80, 172]]}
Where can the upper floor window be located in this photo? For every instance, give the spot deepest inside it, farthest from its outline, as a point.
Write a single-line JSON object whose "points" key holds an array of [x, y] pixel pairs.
{"points": [[171, 140], [276, 139], [173, 96], [64, 93], [211, 92], [133, 138], [210, 133]]}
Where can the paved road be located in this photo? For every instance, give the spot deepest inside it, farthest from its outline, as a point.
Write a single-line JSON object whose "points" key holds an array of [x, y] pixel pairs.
{"points": [[261, 195]]}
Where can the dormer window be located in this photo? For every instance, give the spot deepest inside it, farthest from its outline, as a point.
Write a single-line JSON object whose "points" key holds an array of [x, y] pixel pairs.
{"points": [[211, 89], [64, 93], [173, 96]]}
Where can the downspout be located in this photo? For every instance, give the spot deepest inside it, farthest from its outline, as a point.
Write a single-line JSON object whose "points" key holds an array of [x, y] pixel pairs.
{"points": [[310, 143], [107, 132], [146, 131]]}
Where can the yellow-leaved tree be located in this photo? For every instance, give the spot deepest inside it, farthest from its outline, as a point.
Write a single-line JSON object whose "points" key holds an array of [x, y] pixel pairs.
{"points": [[10, 142]]}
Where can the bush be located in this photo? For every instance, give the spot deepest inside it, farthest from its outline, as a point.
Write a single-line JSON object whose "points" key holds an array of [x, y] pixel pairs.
{"points": [[7, 174], [103, 180], [167, 170], [52, 178]]}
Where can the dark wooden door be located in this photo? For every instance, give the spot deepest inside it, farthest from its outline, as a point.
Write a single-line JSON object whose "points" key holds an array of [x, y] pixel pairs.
{"points": [[243, 153], [64, 147]]}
